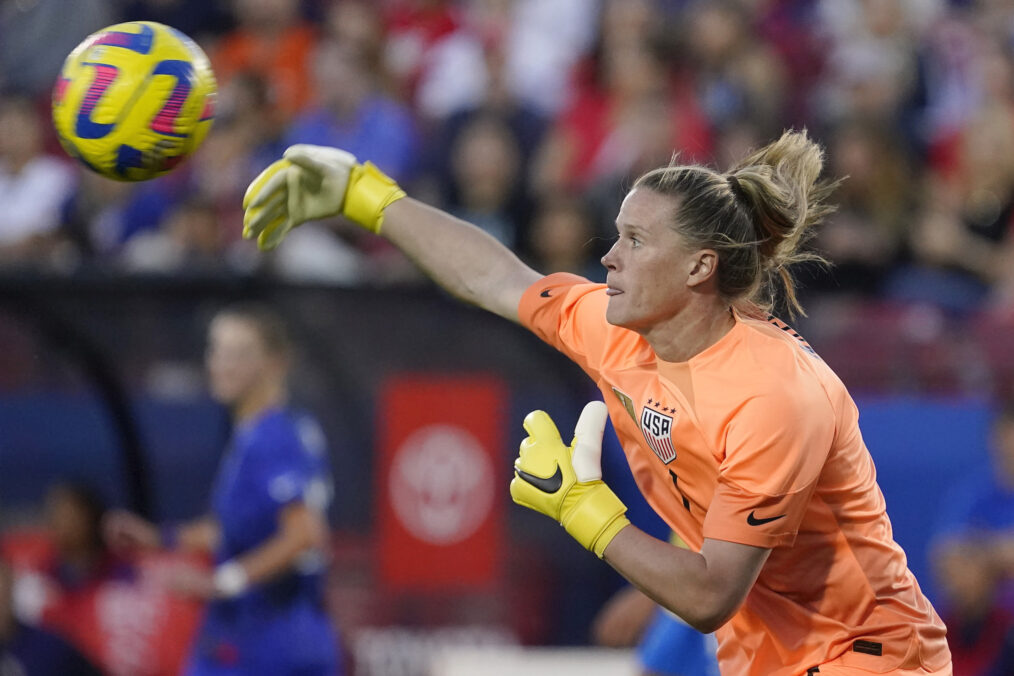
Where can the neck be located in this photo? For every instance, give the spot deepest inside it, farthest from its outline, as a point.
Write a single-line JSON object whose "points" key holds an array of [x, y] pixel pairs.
{"points": [[258, 401], [690, 332]]}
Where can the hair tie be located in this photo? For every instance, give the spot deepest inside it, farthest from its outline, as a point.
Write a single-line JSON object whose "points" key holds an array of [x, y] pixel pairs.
{"points": [[740, 197], [737, 190]]}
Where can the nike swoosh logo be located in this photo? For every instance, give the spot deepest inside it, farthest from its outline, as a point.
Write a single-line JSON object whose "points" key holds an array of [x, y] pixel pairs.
{"points": [[545, 293], [547, 485], [754, 521]]}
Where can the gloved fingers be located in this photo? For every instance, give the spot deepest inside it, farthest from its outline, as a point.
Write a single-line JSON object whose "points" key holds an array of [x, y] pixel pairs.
{"points": [[587, 444], [517, 491], [257, 220], [278, 201], [526, 495], [527, 457], [544, 472], [541, 428], [267, 182], [273, 233], [319, 159]]}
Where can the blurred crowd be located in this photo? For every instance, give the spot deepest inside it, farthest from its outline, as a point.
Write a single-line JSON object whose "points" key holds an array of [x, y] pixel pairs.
{"points": [[70, 605], [531, 117]]}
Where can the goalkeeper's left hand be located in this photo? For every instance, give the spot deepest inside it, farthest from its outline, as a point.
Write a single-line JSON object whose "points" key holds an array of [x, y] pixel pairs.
{"points": [[313, 182], [565, 482]]}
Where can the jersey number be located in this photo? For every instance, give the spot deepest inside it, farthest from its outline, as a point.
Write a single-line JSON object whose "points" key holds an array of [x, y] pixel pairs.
{"points": [[675, 484]]}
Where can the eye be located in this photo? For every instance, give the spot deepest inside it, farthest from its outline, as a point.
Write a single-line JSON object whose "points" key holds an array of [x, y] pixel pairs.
{"points": [[635, 241]]}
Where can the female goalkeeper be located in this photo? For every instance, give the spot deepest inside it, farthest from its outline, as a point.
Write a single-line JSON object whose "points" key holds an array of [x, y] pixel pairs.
{"points": [[740, 436]]}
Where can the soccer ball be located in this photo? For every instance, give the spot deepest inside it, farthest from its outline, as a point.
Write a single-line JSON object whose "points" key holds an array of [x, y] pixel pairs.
{"points": [[133, 100]]}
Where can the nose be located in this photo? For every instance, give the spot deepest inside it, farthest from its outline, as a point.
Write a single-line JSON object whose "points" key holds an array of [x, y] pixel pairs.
{"points": [[609, 260]]}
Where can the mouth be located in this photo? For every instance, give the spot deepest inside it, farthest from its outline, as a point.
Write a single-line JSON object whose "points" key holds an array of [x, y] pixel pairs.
{"points": [[613, 291]]}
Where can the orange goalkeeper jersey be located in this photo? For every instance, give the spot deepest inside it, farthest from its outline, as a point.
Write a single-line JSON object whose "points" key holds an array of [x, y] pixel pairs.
{"points": [[755, 440]]}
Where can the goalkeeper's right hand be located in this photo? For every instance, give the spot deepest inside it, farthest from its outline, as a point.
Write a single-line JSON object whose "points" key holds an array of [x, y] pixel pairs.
{"points": [[565, 482], [312, 182]]}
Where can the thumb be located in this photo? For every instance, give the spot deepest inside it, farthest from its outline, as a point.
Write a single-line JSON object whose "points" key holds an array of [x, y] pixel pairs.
{"points": [[541, 428], [591, 425]]}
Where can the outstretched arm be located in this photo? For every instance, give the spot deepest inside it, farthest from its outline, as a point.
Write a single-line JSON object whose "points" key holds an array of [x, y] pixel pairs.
{"points": [[314, 182], [125, 530], [466, 261]]}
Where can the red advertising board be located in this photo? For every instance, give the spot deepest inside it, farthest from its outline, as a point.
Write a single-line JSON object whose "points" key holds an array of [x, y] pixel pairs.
{"points": [[442, 478]]}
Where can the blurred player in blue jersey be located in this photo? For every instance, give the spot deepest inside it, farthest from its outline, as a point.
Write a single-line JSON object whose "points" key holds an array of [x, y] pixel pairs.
{"points": [[268, 529], [671, 647]]}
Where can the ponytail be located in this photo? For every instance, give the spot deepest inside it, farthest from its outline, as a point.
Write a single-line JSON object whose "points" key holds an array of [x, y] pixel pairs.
{"points": [[780, 188]]}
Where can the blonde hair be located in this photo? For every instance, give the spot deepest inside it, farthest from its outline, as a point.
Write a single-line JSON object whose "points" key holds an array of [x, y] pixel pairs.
{"points": [[756, 216]]}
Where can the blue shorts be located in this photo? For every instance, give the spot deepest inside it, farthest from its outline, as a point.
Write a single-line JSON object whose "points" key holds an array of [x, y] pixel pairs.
{"points": [[673, 648], [295, 641]]}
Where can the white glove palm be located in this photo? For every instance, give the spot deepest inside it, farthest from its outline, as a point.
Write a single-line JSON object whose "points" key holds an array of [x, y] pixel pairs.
{"points": [[309, 183]]}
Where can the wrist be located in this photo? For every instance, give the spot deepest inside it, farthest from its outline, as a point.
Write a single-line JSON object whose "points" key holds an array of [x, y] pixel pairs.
{"points": [[607, 534], [596, 517], [230, 579], [370, 191]]}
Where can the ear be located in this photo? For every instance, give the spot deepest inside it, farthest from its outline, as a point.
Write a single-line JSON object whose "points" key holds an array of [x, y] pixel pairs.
{"points": [[703, 266]]}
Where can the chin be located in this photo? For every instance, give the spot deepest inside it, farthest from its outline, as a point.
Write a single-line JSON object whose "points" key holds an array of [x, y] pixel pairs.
{"points": [[614, 316], [626, 321]]}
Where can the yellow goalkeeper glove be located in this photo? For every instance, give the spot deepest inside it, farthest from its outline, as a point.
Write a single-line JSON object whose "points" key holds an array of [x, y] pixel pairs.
{"points": [[313, 182], [565, 482]]}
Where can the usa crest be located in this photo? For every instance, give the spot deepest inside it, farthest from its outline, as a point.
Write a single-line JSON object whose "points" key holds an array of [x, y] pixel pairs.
{"points": [[657, 430]]}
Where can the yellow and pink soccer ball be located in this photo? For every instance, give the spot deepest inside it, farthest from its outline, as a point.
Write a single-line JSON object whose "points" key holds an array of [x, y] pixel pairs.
{"points": [[133, 100]]}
